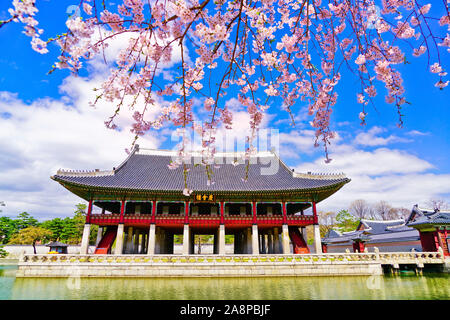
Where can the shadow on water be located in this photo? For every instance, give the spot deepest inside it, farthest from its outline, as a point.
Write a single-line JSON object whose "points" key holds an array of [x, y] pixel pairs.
{"points": [[403, 286]]}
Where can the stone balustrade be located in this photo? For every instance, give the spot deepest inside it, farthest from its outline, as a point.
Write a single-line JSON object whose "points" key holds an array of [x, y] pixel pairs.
{"points": [[328, 258]]}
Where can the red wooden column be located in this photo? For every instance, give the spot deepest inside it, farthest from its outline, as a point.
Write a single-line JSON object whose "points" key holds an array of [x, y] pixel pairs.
{"points": [[122, 211], [283, 206], [222, 210], [445, 243], [153, 218], [316, 220], [89, 212], [358, 246], [254, 212], [186, 212]]}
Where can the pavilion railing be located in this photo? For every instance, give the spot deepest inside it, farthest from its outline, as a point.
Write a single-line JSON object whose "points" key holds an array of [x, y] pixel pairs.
{"points": [[329, 258], [179, 218], [105, 218]]}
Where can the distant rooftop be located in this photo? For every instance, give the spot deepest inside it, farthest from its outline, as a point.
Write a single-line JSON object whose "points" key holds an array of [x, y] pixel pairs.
{"points": [[375, 231], [423, 217]]}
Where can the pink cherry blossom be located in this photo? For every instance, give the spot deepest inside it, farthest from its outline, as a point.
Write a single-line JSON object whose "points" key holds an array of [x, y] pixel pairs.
{"points": [[180, 56], [435, 68]]}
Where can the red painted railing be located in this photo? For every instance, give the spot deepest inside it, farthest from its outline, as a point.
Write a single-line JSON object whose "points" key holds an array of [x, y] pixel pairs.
{"points": [[165, 220], [105, 219], [293, 220], [169, 219], [238, 220], [204, 221]]}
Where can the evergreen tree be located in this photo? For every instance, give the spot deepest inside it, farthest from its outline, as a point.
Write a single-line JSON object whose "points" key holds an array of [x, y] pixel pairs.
{"points": [[8, 227], [346, 221], [24, 220], [56, 226]]}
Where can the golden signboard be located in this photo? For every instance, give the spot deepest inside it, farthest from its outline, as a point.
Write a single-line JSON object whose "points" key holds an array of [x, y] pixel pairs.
{"points": [[204, 197]]}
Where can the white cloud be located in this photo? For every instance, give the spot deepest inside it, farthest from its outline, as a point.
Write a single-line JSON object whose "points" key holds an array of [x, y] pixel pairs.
{"points": [[38, 139], [395, 176], [417, 133], [371, 138]]}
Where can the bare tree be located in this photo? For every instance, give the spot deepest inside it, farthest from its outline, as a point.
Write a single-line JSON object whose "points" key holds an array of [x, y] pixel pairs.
{"points": [[437, 204], [403, 213], [393, 214], [361, 209], [327, 221], [383, 209]]}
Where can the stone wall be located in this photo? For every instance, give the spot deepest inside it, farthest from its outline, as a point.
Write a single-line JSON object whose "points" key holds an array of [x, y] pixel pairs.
{"points": [[7, 261], [197, 270]]}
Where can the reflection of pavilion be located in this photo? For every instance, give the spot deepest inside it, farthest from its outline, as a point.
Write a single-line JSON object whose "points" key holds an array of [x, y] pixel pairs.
{"points": [[143, 206]]}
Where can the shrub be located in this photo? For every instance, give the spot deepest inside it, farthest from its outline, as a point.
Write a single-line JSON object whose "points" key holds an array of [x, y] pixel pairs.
{"points": [[3, 253]]}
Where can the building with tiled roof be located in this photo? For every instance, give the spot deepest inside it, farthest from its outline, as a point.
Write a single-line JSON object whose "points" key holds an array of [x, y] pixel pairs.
{"points": [[386, 235], [141, 204], [433, 227]]}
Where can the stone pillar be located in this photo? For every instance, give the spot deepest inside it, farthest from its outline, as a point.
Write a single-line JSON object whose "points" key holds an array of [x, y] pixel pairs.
{"points": [[276, 241], [259, 243], [270, 242], [317, 240], [186, 240], [248, 237], [119, 239], [263, 244], [85, 240], [255, 245], [136, 241], [285, 239], [129, 242], [244, 241], [99, 235], [143, 236], [222, 239], [151, 240]]}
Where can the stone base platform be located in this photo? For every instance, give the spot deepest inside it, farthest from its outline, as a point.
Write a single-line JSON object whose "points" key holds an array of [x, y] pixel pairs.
{"points": [[192, 266], [58, 265]]}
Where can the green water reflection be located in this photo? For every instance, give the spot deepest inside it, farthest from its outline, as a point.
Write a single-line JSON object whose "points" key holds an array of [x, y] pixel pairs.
{"points": [[407, 286]]}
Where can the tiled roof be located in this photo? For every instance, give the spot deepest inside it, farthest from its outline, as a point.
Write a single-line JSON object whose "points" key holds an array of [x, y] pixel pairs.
{"points": [[56, 244], [378, 227], [146, 170], [425, 216], [344, 237], [376, 232]]}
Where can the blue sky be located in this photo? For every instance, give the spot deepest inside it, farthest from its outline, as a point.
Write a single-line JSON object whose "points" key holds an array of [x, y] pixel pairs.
{"points": [[46, 124]]}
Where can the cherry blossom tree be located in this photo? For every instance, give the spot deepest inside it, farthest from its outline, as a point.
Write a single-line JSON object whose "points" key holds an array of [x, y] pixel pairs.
{"points": [[265, 53]]}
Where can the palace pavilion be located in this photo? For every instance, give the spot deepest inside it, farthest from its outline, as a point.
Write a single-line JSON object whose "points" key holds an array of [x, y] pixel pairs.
{"points": [[140, 205]]}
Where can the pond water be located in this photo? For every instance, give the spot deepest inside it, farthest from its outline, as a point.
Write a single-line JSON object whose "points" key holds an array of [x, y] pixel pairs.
{"points": [[435, 286]]}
